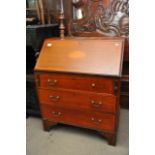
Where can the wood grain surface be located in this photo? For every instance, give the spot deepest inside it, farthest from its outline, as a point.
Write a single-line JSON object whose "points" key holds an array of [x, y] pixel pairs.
{"points": [[77, 82], [97, 56], [78, 100], [76, 117]]}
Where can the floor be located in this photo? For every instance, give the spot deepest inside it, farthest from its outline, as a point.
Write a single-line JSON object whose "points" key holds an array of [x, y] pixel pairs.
{"points": [[69, 140]]}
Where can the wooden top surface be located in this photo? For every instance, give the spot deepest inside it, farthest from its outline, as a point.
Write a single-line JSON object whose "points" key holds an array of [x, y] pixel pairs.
{"points": [[97, 56]]}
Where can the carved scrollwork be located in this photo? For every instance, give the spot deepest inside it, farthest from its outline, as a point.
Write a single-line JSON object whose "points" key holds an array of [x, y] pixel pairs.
{"points": [[98, 19]]}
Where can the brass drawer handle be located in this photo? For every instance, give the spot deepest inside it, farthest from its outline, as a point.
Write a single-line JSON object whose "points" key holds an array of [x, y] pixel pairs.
{"points": [[52, 82], [96, 121], [93, 85], [57, 114], [54, 98], [96, 104]]}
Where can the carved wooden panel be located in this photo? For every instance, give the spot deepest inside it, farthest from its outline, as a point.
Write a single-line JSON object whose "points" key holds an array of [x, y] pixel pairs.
{"points": [[100, 18]]}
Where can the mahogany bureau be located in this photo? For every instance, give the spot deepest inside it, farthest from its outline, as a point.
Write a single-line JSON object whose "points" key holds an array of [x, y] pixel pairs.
{"points": [[78, 83]]}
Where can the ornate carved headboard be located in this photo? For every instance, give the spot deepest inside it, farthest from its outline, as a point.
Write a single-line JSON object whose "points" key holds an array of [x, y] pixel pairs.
{"points": [[100, 18]]}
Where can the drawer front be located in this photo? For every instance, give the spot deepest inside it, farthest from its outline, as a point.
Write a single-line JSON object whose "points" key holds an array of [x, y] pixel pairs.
{"points": [[78, 99], [77, 82], [87, 119]]}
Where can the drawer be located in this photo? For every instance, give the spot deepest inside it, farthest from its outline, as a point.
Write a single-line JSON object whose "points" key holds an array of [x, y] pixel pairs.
{"points": [[78, 99], [77, 82], [89, 119]]}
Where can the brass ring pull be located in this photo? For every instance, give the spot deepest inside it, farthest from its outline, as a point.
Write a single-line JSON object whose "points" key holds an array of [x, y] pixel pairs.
{"points": [[52, 82], [54, 98], [57, 114], [96, 121], [96, 104]]}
